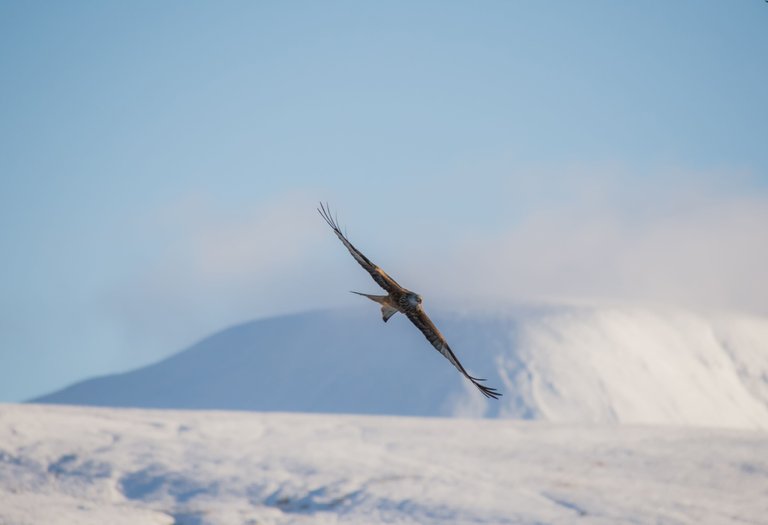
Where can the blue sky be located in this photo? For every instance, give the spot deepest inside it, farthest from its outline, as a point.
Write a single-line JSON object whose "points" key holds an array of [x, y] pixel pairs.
{"points": [[160, 162]]}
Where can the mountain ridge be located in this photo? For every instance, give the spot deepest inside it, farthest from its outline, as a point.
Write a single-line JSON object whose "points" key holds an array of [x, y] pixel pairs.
{"points": [[555, 363]]}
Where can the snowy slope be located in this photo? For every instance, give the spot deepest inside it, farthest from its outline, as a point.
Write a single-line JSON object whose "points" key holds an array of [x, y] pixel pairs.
{"points": [[76, 465], [561, 364]]}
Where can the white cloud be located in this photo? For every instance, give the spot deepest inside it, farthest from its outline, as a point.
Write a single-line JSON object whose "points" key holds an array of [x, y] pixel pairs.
{"points": [[218, 267], [685, 243]]}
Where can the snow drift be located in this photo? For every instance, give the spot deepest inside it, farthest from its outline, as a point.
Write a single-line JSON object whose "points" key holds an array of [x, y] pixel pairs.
{"points": [[91, 466], [561, 364]]}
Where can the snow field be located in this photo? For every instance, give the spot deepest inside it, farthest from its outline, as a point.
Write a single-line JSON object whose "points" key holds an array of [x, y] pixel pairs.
{"points": [[67, 465]]}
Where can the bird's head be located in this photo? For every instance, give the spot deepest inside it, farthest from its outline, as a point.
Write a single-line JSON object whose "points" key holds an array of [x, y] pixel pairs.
{"points": [[414, 299]]}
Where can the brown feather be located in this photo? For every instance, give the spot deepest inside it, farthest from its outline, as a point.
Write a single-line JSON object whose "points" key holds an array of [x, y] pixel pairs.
{"points": [[378, 275], [422, 321]]}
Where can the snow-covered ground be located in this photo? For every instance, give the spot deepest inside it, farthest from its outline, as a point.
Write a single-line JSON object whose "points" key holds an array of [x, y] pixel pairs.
{"points": [[76, 465], [561, 363]]}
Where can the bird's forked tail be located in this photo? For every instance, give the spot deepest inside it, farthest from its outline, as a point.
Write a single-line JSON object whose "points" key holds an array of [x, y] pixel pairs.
{"points": [[378, 298], [387, 310]]}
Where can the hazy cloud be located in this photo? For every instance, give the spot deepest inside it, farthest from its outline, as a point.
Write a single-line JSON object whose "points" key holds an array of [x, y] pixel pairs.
{"points": [[218, 267], [689, 242]]}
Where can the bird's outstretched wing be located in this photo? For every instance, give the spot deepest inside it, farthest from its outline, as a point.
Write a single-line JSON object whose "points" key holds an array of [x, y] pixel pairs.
{"points": [[381, 278], [433, 335]]}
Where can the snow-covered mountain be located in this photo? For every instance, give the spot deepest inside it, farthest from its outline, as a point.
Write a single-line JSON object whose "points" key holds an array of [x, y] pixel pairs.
{"points": [[95, 466], [561, 364]]}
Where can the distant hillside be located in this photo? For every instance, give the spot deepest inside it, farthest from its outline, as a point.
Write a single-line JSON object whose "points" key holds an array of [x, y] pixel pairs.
{"points": [[563, 364]]}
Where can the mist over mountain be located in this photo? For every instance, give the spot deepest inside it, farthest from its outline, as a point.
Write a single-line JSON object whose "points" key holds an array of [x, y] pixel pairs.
{"points": [[556, 363]]}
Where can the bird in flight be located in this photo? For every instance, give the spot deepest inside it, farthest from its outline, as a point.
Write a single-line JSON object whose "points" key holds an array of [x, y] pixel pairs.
{"points": [[398, 299]]}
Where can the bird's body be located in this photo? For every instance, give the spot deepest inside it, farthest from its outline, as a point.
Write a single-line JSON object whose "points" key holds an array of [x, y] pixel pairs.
{"points": [[399, 299]]}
